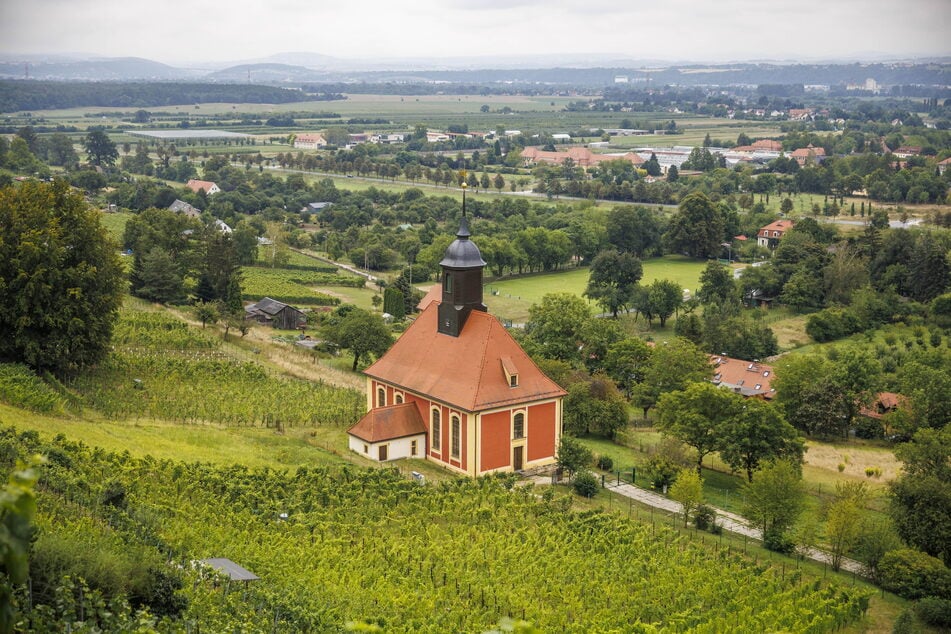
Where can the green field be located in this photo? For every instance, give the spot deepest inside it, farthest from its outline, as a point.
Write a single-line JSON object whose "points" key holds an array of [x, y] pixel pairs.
{"points": [[511, 298]]}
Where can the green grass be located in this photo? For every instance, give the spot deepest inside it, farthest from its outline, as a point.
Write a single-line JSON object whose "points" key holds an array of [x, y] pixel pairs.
{"points": [[515, 296], [115, 223]]}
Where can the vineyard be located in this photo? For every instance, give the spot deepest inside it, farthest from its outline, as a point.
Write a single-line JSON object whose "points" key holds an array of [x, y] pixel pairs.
{"points": [[334, 545], [291, 286], [160, 368]]}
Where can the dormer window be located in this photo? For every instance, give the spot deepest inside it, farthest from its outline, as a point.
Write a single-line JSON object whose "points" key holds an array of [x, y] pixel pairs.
{"points": [[511, 372]]}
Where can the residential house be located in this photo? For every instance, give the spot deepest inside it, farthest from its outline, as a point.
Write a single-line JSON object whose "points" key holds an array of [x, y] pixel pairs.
{"points": [[581, 156], [907, 151], [310, 141], [206, 186], [883, 403], [749, 378], [808, 155], [456, 388], [181, 207], [316, 206], [270, 312], [437, 137], [944, 166], [770, 235]]}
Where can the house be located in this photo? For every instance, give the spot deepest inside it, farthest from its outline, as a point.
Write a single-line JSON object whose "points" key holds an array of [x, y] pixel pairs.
{"points": [[310, 141], [316, 207], [222, 226], [270, 312], [749, 378], [808, 155], [883, 403], [387, 139], [907, 151], [181, 207], [456, 388], [436, 137], [207, 186], [770, 235], [581, 156], [944, 166]]}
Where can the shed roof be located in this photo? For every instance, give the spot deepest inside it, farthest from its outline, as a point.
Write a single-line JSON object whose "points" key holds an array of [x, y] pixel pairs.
{"points": [[233, 570]]}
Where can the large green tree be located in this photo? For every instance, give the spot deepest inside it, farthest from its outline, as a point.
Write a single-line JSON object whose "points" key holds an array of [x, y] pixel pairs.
{"points": [[921, 496], [697, 416], [61, 281], [758, 432], [595, 406], [634, 230], [697, 228], [673, 365], [613, 279], [158, 277], [361, 332], [775, 497], [100, 149], [555, 326]]}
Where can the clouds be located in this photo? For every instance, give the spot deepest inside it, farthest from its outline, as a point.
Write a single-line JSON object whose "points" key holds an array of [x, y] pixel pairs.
{"points": [[182, 30]]}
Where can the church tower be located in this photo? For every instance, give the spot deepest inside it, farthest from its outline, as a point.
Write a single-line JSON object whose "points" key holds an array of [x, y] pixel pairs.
{"points": [[461, 279]]}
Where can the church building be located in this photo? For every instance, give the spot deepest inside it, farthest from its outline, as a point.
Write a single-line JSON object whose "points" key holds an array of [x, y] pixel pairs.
{"points": [[456, 388]]}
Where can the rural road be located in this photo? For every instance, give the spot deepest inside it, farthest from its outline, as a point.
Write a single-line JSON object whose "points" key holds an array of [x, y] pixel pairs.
{"points": [[729, 521]]}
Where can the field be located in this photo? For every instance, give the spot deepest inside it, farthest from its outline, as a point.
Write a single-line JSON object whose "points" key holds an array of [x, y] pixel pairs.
{"points": [[511, 299]]}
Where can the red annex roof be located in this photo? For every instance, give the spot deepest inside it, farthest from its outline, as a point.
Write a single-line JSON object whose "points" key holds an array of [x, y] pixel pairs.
{"points": [[388, 423], [779, 225], [195, 185], [432, 295], [466, 371]]}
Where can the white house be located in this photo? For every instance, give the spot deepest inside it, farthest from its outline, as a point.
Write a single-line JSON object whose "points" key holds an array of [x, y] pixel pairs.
{"points": [[308, 141], [389, 433]]}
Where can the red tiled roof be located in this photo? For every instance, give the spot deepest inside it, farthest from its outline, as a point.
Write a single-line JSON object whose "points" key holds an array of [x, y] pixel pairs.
{"points": [[750, 377], [768, 144], [388, 423], [465, 371], [196, 185], [432, 295], [778, 225], [884, 403]]}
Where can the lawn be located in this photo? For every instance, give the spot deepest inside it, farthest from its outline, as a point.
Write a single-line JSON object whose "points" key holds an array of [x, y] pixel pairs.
{"points": [[115, 223], [511, 298]]}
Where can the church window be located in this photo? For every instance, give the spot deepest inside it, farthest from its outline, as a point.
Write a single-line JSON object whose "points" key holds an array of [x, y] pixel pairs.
{"points": [[455, 437], [436, 430], [399, 399], [380, 397], [518, 426]]}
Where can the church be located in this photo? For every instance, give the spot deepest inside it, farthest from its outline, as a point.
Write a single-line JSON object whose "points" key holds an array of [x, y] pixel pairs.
{"points": [[456, 388]]}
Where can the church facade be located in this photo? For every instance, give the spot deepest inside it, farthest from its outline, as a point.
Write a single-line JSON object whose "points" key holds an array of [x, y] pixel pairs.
{"points": [[456, 388]]}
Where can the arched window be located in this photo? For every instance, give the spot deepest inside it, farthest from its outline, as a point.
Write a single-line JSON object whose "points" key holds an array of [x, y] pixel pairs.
{"points": [[518, 426], [455, 440], [399, 399], [380, 397], [435, 430]]}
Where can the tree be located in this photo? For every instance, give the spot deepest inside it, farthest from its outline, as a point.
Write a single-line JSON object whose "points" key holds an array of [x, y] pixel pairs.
{"points": [[207, 313], [61, 282], [843, 521], [688, 490], [361, 332], [697, 228], [652, 165], [634, 230], [716, 285], [612, 280], [99, 148], [555, 325], [219, 276], [664, 297], [930, 270], [61, 152], [672, 366], [756, 434], [775, 497], [594, 407], [572, 456], [625, 361], [921, 497], [696, 416], [157, 278]]}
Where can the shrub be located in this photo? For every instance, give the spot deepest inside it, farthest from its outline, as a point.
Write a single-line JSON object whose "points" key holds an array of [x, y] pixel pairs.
{"points": [[935, 612], [869, 428], [777, 541], [705, 517], [585, 484], [913, 574], [605, 463]]}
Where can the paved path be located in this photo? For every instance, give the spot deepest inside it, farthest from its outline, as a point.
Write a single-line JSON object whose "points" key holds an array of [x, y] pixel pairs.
{"points": [[729, 521]]}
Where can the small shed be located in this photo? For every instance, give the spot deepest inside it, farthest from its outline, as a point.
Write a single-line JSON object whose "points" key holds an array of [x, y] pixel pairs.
{"points": [[231, 569], [270, 312], [389, 433]]}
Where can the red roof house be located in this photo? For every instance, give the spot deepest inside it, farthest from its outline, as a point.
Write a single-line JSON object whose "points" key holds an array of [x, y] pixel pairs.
{"points": [[749, 378], [197, 186], [808, 155], [770, 235], [483, 404]]}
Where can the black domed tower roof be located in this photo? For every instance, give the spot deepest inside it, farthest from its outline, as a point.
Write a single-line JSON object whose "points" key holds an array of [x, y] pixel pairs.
{"points": [[461, 279]]}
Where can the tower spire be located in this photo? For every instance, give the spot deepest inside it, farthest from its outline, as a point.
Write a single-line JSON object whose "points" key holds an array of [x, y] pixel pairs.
{"points": [[461, 278]]}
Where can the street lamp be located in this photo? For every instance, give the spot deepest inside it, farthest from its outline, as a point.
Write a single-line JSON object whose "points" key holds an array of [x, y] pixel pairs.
{"points": [[729, 252]]}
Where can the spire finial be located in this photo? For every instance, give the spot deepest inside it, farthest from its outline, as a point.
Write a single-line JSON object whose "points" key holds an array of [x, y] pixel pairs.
{"points": [[465, 185]]}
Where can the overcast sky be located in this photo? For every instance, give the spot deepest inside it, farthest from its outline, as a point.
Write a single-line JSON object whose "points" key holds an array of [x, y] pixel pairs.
{"points": [[177, 31]]}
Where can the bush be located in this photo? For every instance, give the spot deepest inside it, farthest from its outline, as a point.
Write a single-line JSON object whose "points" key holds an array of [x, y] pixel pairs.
{"points": [[869, 428], [777, 541], [935, 612], [705, 517], [605, 463], [585, 484], [913, 574]]}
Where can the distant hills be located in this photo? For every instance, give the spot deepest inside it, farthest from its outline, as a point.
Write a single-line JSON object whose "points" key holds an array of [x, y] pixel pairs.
{"points": [[297, 68]]}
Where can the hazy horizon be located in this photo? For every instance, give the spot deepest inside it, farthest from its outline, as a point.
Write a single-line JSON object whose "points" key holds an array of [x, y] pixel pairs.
{"points": [[439, 31]]}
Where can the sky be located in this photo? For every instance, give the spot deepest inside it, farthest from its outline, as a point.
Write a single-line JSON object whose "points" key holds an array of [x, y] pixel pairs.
{"points": [[194, 31]]}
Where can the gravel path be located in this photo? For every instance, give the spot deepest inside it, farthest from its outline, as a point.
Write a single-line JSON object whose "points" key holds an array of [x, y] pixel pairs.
{"points": [[729, 521]]}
